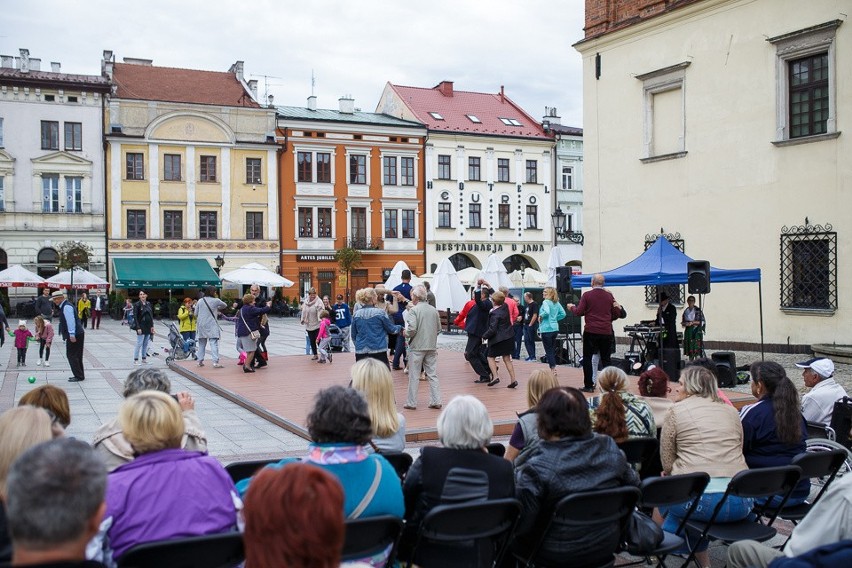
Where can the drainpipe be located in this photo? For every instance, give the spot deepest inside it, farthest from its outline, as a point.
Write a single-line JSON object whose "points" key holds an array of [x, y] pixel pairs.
{"points": [[106, 206]]}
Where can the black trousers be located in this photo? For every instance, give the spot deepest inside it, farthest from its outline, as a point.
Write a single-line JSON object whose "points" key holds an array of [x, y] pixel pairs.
{"points": [[475, 355], [74, 353], [600, 343], [312, 335]]}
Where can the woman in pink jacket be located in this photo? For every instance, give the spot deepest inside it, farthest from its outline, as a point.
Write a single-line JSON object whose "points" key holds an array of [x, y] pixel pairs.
{"points": [[44, 335]]}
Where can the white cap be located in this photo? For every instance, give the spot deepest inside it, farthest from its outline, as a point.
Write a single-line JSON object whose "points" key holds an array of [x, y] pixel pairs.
{"points": [[820, 365]]}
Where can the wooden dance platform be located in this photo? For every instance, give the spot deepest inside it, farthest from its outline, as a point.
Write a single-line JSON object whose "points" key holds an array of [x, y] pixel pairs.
{"points": [[283, 392]]}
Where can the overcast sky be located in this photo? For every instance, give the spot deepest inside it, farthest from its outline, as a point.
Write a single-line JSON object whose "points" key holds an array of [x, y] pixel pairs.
{"points": [[353, 47]]}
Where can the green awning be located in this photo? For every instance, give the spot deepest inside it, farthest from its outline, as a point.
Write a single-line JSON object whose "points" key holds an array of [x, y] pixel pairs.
{"points": [[163, 273]]}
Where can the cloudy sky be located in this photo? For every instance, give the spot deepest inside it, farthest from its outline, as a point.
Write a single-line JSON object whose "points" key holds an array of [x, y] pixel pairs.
{"points": [[352, 47]]}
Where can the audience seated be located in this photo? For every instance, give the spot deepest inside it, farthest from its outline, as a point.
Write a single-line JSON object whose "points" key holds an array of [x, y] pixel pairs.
{"points": [[111, 443], [373, 379], [829, 521], [711, 366], [570, 459], [525, 438], [54, 400], [20, 429], [818, 404], [654, 386], [55, 503], [460, 471], [339, 426], [702, 434], [619, 413], [166, 492], [293, 518], [774, 431]]}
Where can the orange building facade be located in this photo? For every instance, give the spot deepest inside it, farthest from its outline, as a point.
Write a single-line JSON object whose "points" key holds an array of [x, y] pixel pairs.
{"points": [[349, 179]]}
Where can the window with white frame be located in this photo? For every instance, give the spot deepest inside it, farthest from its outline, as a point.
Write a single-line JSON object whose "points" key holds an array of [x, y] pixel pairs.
{"points": [[73, 136], [444, 166], [805, 84], [532, 171], [50, 193], [306, 222], [389, 170], [474, 214], [391, 220], [73, 195], [532, 216], [502, 169], [398, 170], [474, 169], [407, 219], [49, 135], [504, 217], [567, 177], [313, 167], [665, 125], [358, 169], [407, 171], [445, 211], [324, 222], [399, 223], [358, 231], [254, 168]]}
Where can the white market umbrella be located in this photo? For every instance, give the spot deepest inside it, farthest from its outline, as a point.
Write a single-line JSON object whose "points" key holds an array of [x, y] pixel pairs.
{"points": [[495, 273], [254, 273], [554, 262], [468, 275], [533, 277], [395, 278], [78, 279], [448, 289], [19, 277]]}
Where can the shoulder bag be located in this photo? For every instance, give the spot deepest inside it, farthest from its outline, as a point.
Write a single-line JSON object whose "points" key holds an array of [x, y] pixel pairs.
{"points": [[255, 335], [643, 534]]}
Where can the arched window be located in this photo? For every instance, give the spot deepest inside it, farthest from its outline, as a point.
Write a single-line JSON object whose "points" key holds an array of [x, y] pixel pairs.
{"points": [[47, 260], [461, 261], [517, 262]]}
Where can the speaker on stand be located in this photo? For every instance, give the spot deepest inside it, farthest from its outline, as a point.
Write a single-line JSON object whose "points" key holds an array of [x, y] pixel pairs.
{"points": [[726, 368], [563, 279], [671, 362], [698, 276]]}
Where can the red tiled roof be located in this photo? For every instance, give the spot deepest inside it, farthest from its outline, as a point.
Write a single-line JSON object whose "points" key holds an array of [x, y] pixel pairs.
{"points": [[150, 83], [488, 108]]}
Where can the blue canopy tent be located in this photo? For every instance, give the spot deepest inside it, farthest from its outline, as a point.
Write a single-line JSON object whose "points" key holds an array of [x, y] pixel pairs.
{"points": [[663, 264]]}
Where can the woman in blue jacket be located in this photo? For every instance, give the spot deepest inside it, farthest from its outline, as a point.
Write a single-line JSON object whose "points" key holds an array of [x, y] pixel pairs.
{"points": [[370, 328], [550, 314]]}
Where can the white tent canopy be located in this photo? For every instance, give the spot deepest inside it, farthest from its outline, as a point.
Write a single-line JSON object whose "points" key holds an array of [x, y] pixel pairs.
{"points": [[528, 277], [495, 273], [254, 273], [554, 262], [17, 276], [395, 278], [448, 289], [78, 279], [468, 275]]}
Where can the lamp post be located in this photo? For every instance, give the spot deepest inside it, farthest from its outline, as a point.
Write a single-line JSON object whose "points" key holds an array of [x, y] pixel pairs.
{"points": [[220, 262], [559, 232]]}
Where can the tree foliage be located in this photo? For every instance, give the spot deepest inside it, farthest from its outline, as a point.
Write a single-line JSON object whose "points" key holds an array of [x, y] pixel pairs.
{"points": [[347, 259], [73, 253]]}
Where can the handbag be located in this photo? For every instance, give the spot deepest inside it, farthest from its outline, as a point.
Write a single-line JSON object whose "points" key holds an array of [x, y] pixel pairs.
{"points": [[643, 534], [255, 335]]}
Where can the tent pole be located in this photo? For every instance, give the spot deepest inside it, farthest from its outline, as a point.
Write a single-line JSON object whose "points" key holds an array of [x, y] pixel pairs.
{"points": [[760, 302]]}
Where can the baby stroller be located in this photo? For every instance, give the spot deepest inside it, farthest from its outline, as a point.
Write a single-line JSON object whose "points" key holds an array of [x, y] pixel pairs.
{"points": [[335, 339], [179, 349]]}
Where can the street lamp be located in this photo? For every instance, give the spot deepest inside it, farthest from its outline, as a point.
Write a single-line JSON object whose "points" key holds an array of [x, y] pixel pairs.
{"points": [[559, 232], [220, 262]]}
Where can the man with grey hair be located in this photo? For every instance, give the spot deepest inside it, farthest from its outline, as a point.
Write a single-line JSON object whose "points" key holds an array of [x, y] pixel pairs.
{"points": [[109, 440], [818, 404], [600, 309], [422, 326], [55, 503]]}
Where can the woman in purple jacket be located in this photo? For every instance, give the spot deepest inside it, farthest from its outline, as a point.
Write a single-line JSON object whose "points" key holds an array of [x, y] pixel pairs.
{"points": [[166, 492]]}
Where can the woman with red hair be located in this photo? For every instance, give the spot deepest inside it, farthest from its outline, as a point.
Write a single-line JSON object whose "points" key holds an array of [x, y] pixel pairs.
{"points": [[294, 518], [654, 388]]}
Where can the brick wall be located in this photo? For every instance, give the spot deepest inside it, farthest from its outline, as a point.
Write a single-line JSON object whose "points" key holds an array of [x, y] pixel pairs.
{"points": [[604, 16]]}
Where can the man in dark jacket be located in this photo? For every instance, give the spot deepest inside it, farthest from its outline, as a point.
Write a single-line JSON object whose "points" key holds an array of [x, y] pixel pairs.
{"points": [[475, 321], [72, 331], [44, 306]]}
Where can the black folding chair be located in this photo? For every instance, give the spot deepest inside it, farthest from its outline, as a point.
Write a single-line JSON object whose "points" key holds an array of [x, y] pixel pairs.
{"points": [[368, 536], [210, 551], [245, 469], [400, 461], [751, 483], [496, 449], [640, 452], [606, 506], [666, 492], [492, 521]]}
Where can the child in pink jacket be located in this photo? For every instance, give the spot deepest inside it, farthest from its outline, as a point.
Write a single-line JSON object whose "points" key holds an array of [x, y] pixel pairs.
{"points": [[44, 335], [323, 337], [22, 335]]}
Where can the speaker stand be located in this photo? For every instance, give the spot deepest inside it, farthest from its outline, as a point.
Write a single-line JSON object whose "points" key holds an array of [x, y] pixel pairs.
{"points": [[571, 349]]}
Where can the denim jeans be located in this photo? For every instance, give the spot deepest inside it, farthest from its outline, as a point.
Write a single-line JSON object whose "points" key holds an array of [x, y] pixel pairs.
{"points": [[735, 509], [530, 332], [214, 348], [518, 328], [548, 340], [141, 345]]}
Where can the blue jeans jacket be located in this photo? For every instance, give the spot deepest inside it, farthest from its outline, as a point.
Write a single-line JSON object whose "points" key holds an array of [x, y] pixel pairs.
{"points": [[370, 329]]}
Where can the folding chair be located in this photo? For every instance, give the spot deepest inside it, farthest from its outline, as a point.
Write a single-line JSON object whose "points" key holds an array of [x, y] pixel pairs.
{"points": [[210, 551], [371, 535], [750, 483], [245, 469], [666, 492], [475, 523], [606, 506], [400, 461]]}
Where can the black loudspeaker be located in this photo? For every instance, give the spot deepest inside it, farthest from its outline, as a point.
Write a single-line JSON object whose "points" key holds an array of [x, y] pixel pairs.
{"points": [[671, 363], [563, 279], [726, 368], [698, 276]]}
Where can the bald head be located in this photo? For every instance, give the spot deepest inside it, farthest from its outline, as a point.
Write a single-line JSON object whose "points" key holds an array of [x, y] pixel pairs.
{"points": [[597, 280]]}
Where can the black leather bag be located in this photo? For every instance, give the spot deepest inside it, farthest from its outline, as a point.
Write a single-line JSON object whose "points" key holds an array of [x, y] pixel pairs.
{"points": [[643, 534]]}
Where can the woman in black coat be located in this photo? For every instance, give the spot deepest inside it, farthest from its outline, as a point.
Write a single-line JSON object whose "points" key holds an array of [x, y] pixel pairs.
{"points": [[501, 339]]}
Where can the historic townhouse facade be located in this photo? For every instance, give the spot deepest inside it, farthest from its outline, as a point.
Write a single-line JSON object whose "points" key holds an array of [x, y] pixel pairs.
{"points": [[724, 123], [191, 170], [349, 179], [51, 164], [489, 176], [569, 187]]}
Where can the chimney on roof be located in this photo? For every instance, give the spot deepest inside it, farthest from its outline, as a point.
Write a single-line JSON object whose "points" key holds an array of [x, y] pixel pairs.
{"points": [[237, 69], [502, 95], [138, 61], [551, 116], [35, 64], [445, 88], [7, 61], [24, 61], [107, 64], [312, 102], [55, 67], [253, 88], [347, 104]]}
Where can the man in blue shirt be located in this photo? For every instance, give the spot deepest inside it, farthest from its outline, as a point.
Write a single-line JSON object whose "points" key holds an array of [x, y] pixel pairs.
{"points": [[405, 290], [343, 320], [73, 333]]}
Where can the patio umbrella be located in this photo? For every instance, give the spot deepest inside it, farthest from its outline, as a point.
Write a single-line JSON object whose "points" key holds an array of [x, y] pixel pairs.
{"points": [[19, 277], [78, 279], [395, 278], [254, 273], [468, 275], [448, 289], [495, 273]]}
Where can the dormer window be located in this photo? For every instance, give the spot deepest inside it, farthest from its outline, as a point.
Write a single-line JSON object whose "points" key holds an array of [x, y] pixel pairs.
{"points": [[473, 118], [436, 115], [510, 121]]}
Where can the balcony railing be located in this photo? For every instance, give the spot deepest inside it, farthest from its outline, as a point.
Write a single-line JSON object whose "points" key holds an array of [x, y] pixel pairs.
{"points": [[365, 243]]}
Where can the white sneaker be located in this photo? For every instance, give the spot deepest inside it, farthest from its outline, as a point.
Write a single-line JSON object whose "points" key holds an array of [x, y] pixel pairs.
{"points": [[136, 362], [39, 363], [47, 363]]}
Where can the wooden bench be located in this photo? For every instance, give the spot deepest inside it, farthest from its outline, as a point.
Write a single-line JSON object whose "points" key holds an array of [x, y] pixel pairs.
{"points": [[447, 319]]}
